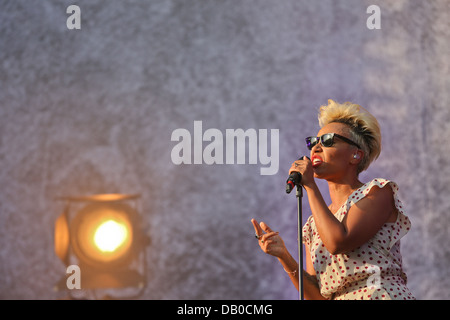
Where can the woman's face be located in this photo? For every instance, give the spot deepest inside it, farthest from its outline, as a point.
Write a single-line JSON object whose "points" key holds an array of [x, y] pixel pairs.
{"points": [[333, 162]]}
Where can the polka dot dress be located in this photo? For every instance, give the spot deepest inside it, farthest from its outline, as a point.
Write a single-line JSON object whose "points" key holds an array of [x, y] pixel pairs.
{"points": [[372, 271]]}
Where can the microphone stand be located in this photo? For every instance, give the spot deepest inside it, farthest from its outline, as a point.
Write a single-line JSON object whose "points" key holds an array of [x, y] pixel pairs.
{"points": [[299, 195], [295, 180]]}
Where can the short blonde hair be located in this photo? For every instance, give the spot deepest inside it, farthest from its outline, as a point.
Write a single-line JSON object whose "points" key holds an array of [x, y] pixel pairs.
{"points": [[364, 127]]}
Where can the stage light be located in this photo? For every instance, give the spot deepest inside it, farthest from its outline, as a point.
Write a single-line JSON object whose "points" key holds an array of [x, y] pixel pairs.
{"points": [[105, 239], [110, 235]]}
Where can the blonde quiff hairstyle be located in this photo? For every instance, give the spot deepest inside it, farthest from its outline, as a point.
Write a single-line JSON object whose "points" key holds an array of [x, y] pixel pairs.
{"points": [[364, 128]]}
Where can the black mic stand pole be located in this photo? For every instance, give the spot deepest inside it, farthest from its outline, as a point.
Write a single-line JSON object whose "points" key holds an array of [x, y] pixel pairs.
{"points": [[299, 195]]}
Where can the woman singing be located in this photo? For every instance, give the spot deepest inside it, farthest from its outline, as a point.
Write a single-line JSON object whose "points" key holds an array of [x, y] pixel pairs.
{"points": [[352, 245]]}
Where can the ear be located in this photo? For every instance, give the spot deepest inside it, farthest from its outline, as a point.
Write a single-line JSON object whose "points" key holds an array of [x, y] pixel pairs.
{"points": [[357, 156]]}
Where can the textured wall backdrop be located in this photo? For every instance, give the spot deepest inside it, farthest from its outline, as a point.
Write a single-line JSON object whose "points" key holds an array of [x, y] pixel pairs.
{"points": [[93, 110]]}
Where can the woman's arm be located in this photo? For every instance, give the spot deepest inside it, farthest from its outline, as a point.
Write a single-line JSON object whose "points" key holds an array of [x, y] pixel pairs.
{"points": [[274, 245], [311, 290], [361, 223]]}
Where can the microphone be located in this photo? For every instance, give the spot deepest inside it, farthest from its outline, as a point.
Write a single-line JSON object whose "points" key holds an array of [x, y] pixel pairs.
{"points": [[293, 180]]}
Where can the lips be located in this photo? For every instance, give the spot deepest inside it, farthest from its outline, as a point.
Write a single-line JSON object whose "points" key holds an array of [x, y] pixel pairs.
{"points": [[316, 161]]}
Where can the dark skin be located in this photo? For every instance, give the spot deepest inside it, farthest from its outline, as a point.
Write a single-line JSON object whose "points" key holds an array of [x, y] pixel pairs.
{"points": [[338, 166]]}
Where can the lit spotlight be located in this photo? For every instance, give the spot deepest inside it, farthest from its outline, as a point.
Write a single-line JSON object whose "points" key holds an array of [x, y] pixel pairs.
{"points": [[105, 239], [110, 235]]}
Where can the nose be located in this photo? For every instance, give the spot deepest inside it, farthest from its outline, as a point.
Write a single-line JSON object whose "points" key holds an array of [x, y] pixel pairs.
{"points": [[317, 147]]}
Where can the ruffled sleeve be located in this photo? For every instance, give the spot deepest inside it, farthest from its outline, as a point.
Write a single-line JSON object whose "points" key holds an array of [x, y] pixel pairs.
{"points": [[402, 225]]}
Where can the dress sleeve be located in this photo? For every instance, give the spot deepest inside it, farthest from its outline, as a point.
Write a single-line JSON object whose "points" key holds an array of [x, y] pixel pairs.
{"points": [[401, 227]]}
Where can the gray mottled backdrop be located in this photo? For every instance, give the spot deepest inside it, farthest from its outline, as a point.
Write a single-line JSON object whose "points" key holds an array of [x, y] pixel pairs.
{"points": [[93, 110]]}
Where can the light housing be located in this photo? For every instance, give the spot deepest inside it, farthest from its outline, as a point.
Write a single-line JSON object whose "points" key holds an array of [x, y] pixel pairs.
{"points": [[104, 238]]}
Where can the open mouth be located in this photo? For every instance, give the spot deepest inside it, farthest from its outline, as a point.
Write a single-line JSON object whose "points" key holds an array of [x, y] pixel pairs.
{"points": [[316, 161]]}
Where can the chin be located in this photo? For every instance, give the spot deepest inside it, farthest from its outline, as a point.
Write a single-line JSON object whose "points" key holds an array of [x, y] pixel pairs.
{"points": [[318, 174]]}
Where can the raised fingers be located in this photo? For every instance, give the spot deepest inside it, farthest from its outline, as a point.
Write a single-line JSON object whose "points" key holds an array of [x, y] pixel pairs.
{"points": [[258, 231], [265, 227]]}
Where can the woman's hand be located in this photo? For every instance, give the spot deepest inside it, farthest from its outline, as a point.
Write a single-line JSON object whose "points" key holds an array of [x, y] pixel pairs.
{"points": [[304, 167], [269, 241]]}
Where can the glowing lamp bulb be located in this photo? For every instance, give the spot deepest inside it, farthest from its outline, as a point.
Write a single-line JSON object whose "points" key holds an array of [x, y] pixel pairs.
{"points": [[110, 235]]}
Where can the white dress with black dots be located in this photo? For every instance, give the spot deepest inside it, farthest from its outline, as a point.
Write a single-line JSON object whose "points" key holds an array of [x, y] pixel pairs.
{"points": [[372, 271]]}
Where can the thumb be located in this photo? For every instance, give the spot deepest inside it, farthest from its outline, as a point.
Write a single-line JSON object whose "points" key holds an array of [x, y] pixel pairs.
{"points": [[265, 227]]}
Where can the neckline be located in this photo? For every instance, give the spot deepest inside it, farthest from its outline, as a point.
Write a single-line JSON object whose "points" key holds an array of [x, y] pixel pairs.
{"points": [[348, 199]]}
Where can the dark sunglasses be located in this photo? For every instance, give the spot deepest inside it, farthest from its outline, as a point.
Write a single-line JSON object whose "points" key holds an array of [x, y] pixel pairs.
{"points": [[327, 140]]}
